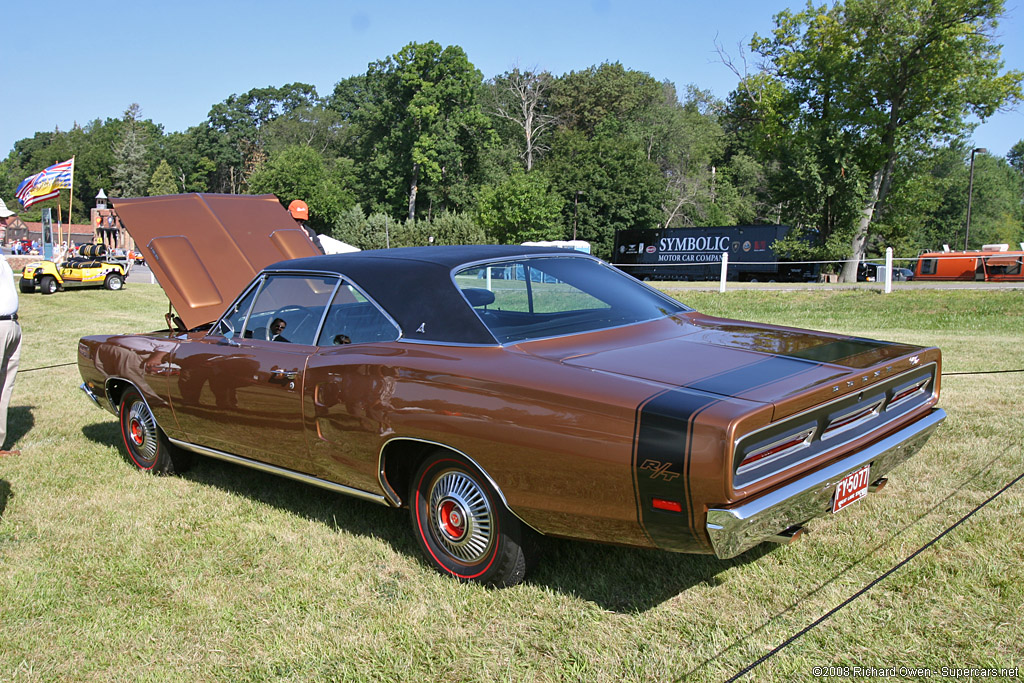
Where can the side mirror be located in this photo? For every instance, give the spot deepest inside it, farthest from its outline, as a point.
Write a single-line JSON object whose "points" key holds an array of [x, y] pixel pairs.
{"points": [[228, 334]]}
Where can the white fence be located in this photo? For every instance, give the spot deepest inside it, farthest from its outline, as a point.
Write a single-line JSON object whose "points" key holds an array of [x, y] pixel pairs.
{"points": [[884, 273]]}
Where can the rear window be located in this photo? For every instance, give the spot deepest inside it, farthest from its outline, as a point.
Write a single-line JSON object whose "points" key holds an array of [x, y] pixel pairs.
{"points": [[546, 297]]}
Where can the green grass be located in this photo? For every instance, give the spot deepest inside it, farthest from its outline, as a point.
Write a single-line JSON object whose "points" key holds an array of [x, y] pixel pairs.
{"points": [[230, 574]]}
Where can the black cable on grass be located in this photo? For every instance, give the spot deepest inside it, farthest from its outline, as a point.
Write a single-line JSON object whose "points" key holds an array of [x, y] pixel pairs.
{"points": [[985, 467], [980, 372], [820, 620], [48, 367]]}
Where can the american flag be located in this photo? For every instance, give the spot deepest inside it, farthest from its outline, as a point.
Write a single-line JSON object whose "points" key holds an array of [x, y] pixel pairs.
{"points": [[46, 184]]}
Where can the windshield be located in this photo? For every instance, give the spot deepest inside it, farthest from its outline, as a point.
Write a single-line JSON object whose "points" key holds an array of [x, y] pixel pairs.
{"points": [[541, 297]]}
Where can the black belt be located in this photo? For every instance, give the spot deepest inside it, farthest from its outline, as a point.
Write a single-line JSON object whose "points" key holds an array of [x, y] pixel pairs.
{"points": [[12, 316]]}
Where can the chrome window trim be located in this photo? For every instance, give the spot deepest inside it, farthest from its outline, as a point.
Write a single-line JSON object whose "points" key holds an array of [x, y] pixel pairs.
{"points": [[430, 342], [256, 282], [340, 277], [323, 316], [347, 280]]}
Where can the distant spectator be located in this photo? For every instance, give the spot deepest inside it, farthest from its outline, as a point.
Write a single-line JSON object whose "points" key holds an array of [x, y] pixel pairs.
{"points": [[300, 212]]}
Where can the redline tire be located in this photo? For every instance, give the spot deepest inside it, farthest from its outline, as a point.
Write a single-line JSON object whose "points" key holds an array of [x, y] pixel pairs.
{"points": [[145, 442], [463, 527]]}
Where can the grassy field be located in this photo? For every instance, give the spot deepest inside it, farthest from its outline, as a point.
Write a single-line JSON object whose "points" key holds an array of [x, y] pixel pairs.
{"points": [[230, 574]]}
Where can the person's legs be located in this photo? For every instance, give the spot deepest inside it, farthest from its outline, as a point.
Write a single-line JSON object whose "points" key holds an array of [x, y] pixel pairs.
{"points": [[10, 345]]}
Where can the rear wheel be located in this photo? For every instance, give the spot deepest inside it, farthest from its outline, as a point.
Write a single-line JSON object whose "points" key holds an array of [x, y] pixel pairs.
{"points": [[145, 442], [463, 527], [27, 285], [114, 282], [47, 284]]}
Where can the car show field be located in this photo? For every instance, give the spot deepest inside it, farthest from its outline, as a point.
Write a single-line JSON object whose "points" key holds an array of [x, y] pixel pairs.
{"points": [[228, 573]]}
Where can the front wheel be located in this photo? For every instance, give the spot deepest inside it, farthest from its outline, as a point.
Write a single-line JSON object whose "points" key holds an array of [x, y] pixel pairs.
{"points": [[145, 442], [114, 282], [27, 285], [47, 284], [463, 527]]}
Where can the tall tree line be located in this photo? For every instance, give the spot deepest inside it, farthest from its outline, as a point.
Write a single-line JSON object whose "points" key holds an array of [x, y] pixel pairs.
{"points": [[855, 130]]}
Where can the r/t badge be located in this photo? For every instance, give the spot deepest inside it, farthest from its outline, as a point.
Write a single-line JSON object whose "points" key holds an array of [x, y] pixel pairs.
{"points": [[659, 469]]}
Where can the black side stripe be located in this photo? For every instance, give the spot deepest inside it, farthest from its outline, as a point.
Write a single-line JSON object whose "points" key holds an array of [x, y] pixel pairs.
{"points": [[661, 466]]}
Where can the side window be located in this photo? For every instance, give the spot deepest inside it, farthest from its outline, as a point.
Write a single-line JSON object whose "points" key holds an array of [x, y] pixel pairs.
{"points": [[526, 288], [289, 308], [928, 266], [353, 319]]}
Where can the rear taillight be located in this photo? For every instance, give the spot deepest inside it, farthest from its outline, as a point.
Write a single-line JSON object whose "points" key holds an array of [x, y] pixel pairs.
{"points": [[911, 391], [775, 450], [851, 419]]}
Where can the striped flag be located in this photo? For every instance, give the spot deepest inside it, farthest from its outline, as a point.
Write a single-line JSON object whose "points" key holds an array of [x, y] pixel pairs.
{"points": [[46, 184]]}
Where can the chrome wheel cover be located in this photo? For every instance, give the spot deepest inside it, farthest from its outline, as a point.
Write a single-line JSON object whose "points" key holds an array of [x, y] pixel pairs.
{"points": [[461, 520], [141, 431]]}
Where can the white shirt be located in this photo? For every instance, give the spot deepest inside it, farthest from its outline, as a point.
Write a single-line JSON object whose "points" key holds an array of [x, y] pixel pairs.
{"points": [[8, 294]]}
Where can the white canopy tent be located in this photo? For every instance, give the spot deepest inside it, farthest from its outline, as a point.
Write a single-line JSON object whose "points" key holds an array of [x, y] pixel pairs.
{"points": [[333, 246]]}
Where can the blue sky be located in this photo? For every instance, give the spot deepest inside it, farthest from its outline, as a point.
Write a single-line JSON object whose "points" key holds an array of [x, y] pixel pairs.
{"points": [[178, 59]]}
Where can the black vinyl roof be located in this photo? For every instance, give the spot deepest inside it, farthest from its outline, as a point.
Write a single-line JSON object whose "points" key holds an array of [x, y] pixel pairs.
{"points": [[415, 286]]}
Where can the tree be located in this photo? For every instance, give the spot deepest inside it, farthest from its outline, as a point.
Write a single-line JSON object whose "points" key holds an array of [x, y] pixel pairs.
{"points": [[880, 78], [607, 183], [131, 170], [521, 98], [299, 172], [193, 170], [523, 208], [1015, 157], [583, 100], [421, 129], [235, 132], [162, 182], [928, 204]]}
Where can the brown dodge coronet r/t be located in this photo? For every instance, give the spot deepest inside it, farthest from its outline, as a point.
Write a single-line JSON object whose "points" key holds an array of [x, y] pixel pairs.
{"points": [[500, 392]]}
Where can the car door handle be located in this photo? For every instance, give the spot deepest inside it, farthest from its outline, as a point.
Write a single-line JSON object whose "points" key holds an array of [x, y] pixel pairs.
{"points": [[278, 375]]}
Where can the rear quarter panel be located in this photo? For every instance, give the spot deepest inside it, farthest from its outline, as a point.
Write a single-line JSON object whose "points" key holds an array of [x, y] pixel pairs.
{"points": [[558, 441]]}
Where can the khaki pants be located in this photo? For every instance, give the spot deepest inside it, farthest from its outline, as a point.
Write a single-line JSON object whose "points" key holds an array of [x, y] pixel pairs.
{"points": [[10, 348]]}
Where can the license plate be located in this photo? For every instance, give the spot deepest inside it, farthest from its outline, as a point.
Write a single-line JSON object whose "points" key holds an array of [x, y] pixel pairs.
{"points": [[852, 488]]}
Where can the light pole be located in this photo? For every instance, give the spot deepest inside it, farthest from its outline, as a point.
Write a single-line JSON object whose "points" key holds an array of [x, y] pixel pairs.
{"points": [[970, 193], [575, 212]]}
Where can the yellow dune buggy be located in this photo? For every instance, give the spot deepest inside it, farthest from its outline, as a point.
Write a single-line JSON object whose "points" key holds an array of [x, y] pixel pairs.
{"points": [[90, 267]]}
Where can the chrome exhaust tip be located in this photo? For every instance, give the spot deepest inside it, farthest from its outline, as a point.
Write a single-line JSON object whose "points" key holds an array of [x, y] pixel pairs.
{"points": [[787, 536]]}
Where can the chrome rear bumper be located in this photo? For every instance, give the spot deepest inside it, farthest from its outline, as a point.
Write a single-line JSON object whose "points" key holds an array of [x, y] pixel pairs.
{"points": [[740, 528]]}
